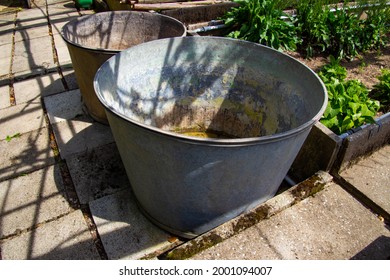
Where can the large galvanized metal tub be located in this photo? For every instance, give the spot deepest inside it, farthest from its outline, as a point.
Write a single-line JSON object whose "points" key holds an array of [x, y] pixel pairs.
{"points": [[160, 95], [93, 39]]}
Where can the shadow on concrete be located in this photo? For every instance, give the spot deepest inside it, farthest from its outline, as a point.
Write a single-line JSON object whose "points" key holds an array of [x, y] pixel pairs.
{"points": [[30, 155], [379, 249]]}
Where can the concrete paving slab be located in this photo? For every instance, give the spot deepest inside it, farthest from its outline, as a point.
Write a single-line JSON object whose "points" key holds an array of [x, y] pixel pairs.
{"points": [[330, 225], [30, 31], [66, 238], [34, 56], [33, 14], [80, 135], [31, 24], [285, 198], [30, 200], [7, 20], [374, 177], [6, 50], [6, 28], [5, 59], [41, 86], [6, 36], [25, 154], [21, 118], [97, 173], [70, 78], [62, 50], [236, 248], [61, 13], [124, 231], [57, 22], [4, 97], [64, 106], [23, 21]]}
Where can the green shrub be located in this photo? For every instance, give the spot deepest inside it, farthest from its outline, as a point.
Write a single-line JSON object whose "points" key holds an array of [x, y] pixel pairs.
{"points": [[311, 25], [375, 28], [342, 32], [261, 21]]}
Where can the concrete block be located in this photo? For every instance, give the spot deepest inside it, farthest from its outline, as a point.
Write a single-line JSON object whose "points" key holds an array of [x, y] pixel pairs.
{"points": [[31, 199], [66, 238], [79, 135], [21, 118], [318, 152], [331, 225], [98, 172], [4, 97], [236, 248], [124, 231], [240, 224], [373, 179], [41, 86], [325, 150], [25, 154], [365, 140], [35, 57], [64, 106]]}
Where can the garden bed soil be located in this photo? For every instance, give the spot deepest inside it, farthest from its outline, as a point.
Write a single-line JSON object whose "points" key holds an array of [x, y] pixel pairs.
{"points": [[365, 68]]}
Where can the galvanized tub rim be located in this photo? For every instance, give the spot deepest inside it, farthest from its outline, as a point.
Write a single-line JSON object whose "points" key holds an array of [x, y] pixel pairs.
{"points": [[217, 141], [112, 50]]}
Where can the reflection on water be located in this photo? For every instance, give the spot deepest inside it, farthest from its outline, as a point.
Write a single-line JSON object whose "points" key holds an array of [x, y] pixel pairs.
{"points": [[204, 133]]}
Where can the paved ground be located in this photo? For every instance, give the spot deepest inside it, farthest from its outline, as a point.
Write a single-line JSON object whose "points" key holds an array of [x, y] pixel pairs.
{"points": [[64, 193]]}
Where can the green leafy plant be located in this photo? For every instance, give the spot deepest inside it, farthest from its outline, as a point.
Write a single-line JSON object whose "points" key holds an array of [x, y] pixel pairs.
{"points": [[261, 21], [349, 104], [333, 71], [381, 90]]}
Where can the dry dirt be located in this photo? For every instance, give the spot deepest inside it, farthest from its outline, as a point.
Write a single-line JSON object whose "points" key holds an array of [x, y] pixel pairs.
{"points": [[365, 68]]}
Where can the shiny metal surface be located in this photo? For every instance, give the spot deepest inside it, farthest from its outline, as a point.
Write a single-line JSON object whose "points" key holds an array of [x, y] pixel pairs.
{"points": [[264, 100], [93, 39]]}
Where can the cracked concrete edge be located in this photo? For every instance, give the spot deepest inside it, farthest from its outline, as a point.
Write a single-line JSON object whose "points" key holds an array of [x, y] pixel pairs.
{"points": [[306, 188]]}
